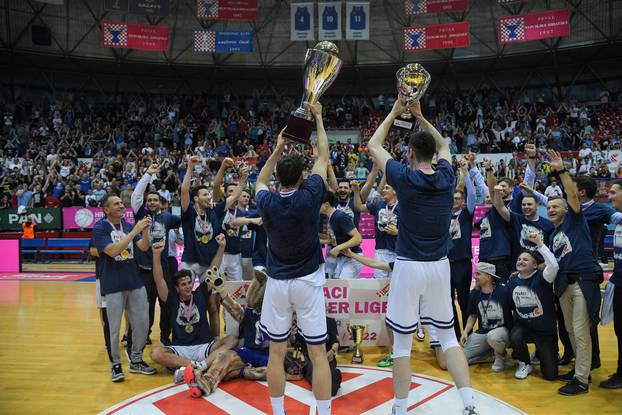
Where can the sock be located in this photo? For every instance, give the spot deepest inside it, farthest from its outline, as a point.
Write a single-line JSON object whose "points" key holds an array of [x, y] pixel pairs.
{"points": [[277, 405], [323, 407], [199, 364], [400, 406], [467, 396]]}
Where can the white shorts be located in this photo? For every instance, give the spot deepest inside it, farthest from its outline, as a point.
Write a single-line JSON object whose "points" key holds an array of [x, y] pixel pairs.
{"points": [[284, 297], [197, 352], [348, 268], [330, 264], [419, 291], [384, 255], [198, 271], [100, 300], [232, 265]]}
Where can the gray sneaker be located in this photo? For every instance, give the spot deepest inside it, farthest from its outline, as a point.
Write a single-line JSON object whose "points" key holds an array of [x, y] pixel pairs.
{"points": [[142, 368], [116, 373], [178, 376]]}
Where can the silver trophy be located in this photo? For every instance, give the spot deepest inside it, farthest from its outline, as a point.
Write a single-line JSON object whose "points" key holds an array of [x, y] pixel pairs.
{"points": [[412, 82], [321, 69]]}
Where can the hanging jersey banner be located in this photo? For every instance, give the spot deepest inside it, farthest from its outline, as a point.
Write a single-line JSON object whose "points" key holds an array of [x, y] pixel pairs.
{"points": [[302, 21], [122, 35], [436, 36], [222, 41], [534, 26], [357, 17], [434, 6], [227, 9], [329, 16]]}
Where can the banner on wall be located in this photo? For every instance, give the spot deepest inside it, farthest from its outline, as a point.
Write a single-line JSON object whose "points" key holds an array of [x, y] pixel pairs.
{"points": [[357, 16], [222, 41], [534, 26], [301, 21], [227, 9], [159, 8], [509, 1], [437, 36], [434, 6], [122, 35], [329, 21], [87, 217], [43, 218]]}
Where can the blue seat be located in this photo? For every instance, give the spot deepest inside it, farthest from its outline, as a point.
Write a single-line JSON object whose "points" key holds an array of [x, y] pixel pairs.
{"points": [[67, 246]]}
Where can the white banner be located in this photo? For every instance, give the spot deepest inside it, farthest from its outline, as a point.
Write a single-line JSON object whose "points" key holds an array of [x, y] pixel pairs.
{"points": [[357, 15], [302, 21], [348, 301], [329, 21]]}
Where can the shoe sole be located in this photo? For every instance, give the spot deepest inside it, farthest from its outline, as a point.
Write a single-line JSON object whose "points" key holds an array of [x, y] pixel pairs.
{"points": [[118, 379], [140, 372], [572, 394]]}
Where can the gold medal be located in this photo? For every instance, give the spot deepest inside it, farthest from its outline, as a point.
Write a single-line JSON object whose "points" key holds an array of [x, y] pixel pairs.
{"points": [[189, 328], [125, 254], [204, 239], [230, 232]]}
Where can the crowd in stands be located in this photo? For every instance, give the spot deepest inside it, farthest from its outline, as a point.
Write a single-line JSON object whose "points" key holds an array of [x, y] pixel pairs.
{"points": [[71, 152]]}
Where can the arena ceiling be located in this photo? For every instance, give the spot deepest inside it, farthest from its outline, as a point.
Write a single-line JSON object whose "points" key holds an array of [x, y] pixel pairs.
{"points": [[76, 53]]}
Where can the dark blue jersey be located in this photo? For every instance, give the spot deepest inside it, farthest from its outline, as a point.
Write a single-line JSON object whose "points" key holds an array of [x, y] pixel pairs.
{"points": [[460, 230], [533, 301], [232, 233], [347, 207], [598, 216], [200, 245], [184, 315], [161, 224], [521, 227], [616, 277], [425, 207], [492, 309], [494, 234], [247, 235], [339, 225], [384, 215], [253, 337]]}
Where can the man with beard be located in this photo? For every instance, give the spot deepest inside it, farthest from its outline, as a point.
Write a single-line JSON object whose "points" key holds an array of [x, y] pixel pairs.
{"points": [[161, 223]]}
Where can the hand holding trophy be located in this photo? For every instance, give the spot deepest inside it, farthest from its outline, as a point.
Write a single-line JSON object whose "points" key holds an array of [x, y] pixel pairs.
{"points": [[412, 82]]}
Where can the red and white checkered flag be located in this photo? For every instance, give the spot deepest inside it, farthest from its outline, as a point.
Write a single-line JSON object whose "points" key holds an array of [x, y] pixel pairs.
{"points": [[115, 34], [204, 41], [512, 30], [415, 6]]}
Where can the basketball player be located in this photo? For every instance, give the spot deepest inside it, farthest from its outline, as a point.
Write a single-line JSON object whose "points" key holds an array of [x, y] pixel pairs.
{"points": [[421, 278], [291, 219]]}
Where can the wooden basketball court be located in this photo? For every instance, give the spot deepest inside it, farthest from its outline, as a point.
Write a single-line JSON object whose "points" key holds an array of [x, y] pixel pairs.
{"points": [[54, 360]]}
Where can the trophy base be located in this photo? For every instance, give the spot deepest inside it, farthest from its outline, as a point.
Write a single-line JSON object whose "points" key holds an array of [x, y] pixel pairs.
{"points": [[357, 359], [406, 124], [298, 130]]}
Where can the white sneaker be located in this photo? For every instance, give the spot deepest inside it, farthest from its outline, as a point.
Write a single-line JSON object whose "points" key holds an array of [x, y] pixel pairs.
{"points": [[499, 364], [523, 370], [178, 376]]}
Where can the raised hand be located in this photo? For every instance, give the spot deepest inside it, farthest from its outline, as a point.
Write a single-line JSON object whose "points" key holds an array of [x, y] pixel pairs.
{"points": [[555, 160], [228, 162], [153, 169], [526, 187], [193, 161], [221, 240], [157, 248], [415, 109], [316, 109], [143, 224], [535, 238]]}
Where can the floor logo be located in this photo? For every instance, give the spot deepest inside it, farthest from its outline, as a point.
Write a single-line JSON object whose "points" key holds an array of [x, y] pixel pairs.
{"points": [[364, 390]]}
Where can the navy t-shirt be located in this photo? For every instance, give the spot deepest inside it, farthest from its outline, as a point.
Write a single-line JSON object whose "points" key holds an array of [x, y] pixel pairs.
{"points": [[200, 245], [425, 206], [161, 224], [292, 220], [384, 215], [598, 215], [616, 277], [246, 235], [492, 309], [571, 244], [347, 206], [522, 227], [121, 272], [231, 232], [253, 337], [339, 225], [260, 245], [460, 230], [180, 316], [494, 234], [533, 301]]}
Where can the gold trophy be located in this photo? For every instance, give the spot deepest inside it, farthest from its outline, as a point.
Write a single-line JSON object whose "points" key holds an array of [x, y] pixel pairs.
{"points": [[412, 82], [358, 332], [321, 69]]}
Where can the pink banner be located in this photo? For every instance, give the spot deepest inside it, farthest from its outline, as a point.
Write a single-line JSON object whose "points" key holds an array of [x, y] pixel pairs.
{"points": [[134, 36], [10, 255], [534, 26], [87, 217], [227, 9], [434, 6], [436, 36]]}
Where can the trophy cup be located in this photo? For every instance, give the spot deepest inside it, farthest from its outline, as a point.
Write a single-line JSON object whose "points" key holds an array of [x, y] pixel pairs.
{"points": [[412, 82], [358, 332], [321, 69]]}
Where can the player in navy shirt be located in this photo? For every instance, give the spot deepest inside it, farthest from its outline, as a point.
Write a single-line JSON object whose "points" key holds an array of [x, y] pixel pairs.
{"points": [[579, 274], [121, 286], [342, 235], [291, 219], [420, 284], [531, 294]]}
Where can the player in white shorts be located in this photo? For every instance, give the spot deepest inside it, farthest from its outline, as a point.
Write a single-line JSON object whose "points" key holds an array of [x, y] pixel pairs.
{"points": [[291, 219], [420, 284]]}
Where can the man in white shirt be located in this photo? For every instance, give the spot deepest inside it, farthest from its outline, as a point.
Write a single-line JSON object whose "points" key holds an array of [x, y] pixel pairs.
{"points": [[585, 151], [553, 189]]}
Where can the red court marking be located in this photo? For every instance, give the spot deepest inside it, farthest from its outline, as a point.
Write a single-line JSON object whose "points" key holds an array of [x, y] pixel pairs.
{"points": [[366, 398], [429, 398], [255, 394], [133, 401], [183, 403]]}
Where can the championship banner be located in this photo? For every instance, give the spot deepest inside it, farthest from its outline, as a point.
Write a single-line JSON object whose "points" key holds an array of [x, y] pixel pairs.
{"points": [[227, 9], [434, 6], [534, 26], [357, 16], [134, 36], [329, 16], [222, 41], [87, 217], [43, 218], [301, 15], [436, 36], [158, 8]]}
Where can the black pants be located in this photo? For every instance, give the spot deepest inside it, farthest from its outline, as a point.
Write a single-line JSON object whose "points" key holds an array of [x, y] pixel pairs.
{"points": [[165, 324], [152, 293], [460, 287], [335, 374], [106, 328], [617, 323], [546, 349], [502, 266]]}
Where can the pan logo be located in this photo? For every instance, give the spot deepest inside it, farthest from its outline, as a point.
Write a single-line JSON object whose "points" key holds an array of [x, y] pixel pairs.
{"points": [[364, 390]]}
